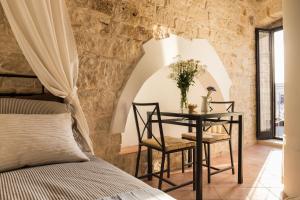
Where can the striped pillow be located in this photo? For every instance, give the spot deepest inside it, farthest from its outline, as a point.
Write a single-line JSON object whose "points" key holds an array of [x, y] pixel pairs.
{"points": [[37, 139], [30, 106]]}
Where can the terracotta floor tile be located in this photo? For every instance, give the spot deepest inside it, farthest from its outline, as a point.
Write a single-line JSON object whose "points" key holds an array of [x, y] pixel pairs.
{"points": [[239, 193], [209, 194], [262, 178]]}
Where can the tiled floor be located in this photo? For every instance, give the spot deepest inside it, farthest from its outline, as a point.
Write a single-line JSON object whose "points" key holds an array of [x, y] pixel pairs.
{"points": [[262, 178]]}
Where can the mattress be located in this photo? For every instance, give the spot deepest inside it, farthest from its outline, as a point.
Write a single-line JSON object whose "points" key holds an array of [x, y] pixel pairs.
{"points": [[95, 179]]}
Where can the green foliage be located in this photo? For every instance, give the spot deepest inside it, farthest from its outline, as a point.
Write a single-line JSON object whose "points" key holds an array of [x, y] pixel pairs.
{"points": [[184, 72]]}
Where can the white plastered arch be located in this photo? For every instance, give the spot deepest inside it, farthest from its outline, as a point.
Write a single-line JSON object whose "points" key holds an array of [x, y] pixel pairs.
{"points": [[161, 53]]}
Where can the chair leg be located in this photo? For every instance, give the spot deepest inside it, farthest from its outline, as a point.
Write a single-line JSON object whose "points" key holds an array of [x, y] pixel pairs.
{"points": [[194, 169], [182, 161], [138, 161], [162, 166], [208, 163], [190, 157], [205, 153], [169, 165], [231, 156], [149, 161]]}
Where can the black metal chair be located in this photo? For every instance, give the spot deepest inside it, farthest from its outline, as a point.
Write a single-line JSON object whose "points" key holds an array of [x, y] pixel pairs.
{"points": [[212, 138], [164, 144]]}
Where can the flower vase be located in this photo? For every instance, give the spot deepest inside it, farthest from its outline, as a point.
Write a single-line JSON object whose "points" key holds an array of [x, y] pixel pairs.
{"points": [[183, 99]]}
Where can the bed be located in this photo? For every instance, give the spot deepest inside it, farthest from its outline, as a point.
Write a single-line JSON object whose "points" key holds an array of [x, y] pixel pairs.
{"points": [[94, 179]]}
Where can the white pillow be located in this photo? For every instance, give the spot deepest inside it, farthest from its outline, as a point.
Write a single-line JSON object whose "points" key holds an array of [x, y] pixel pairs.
{"points": [[37, 139]]}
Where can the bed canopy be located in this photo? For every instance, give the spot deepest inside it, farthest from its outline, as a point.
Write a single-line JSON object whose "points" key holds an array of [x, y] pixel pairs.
{"points": [[43, 31]]}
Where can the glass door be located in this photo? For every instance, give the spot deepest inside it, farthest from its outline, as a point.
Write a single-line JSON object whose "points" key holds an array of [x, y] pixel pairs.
{"points": [[279, 83], [269, 83], [264, 84]]}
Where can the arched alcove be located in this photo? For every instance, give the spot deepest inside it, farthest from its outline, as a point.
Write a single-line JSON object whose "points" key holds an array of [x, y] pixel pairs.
{"points": [[161, 53], [160, 88]]}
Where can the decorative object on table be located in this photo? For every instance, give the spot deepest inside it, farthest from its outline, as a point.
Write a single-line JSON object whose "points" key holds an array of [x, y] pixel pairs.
{"points": [[184, 72], [192, 108], [207, 99]]}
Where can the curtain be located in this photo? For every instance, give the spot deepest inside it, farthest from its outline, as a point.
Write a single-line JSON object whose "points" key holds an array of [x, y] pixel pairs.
{"points": [[43, 31]]}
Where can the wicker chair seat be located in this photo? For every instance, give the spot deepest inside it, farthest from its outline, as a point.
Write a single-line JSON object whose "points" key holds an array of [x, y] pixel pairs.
{"points": [[207, 137], [171, 143]]}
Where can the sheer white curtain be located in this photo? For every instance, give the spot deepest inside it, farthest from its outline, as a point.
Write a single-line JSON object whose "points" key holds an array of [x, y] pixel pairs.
{"points": [[44, 33]]}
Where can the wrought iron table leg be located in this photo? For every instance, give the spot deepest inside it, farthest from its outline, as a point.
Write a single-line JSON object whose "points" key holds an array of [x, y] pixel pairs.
{"points": [[240, 150], [194, 169], [190, 129], [198, 170], [208, 163], [149, 150]]}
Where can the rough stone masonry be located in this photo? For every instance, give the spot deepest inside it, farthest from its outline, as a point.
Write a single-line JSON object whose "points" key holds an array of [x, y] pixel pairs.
{"points": [[110, 35]]}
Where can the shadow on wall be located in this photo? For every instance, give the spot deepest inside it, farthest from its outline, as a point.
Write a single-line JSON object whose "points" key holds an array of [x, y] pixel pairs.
{"points": [[158, 55]]}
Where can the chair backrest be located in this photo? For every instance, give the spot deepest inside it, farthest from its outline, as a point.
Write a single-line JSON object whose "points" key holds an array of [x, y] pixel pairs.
{"points": [[143, 123], [229, 107]]}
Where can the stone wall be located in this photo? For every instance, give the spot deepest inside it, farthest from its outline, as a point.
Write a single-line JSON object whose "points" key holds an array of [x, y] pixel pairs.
{"points": [[109, 36], [268, 11], [13, 61]]}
